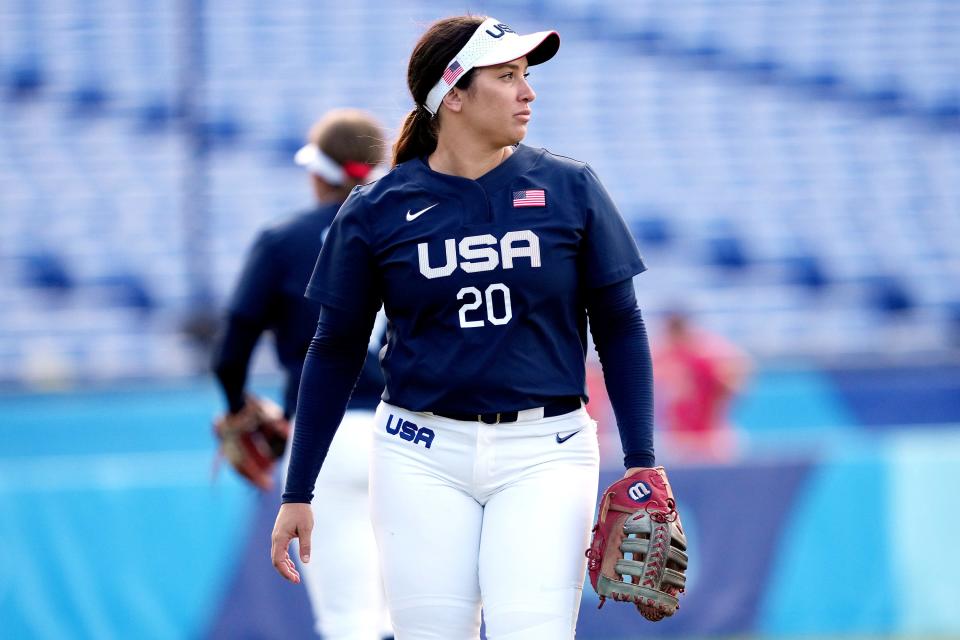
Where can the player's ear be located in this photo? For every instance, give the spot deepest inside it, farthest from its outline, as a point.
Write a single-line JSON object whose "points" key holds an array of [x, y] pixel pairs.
{"points": [[453, 101]]}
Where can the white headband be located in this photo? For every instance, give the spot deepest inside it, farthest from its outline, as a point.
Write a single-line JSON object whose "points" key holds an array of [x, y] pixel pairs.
{"points": [[492, 43], [313, 159]]}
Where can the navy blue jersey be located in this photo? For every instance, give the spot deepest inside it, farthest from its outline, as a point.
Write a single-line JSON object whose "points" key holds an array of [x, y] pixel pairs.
{"points": [[483, 281], [269, 296]]}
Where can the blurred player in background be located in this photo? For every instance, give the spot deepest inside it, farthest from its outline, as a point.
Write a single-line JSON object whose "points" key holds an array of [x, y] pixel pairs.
{"points": [[697, 374], [488, 256], [343, 582]]}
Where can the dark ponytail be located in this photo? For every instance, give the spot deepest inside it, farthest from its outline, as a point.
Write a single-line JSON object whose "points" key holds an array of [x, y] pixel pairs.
{"points": [[418, 136], [441, 42]]}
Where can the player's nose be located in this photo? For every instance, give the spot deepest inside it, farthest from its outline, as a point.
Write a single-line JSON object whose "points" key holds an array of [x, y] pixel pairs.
{"points": [[527, 94]]}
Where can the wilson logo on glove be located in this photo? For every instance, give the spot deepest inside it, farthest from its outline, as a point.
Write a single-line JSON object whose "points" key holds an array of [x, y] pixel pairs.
{"points": [[639, 555], [640, 492]]}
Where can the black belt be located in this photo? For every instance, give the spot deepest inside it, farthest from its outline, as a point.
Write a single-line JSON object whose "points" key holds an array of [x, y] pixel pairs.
{"points": [[556, 407]]}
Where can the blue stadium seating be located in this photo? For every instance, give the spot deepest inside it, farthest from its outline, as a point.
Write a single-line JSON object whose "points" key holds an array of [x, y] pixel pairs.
{"points": [[790, 169]]}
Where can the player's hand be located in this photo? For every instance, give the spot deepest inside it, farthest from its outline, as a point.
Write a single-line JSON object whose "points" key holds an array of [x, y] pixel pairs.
{"points": [[294, 520], [631, 471]]}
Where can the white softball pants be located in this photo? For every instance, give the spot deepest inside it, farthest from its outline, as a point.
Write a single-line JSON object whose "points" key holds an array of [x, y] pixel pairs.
{"points": [[498, 515], [343, 576]]}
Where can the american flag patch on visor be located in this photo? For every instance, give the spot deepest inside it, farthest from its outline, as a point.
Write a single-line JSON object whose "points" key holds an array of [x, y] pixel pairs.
{"points": [[452, 73], [530, 198]]}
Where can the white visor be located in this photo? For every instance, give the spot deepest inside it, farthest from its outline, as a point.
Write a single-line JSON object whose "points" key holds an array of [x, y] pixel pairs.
{"points": [[492, 43], [311, 158]]}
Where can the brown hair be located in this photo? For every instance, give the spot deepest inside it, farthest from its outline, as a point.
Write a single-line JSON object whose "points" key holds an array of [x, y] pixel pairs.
{"points": [[432, 53], [350, 136]]}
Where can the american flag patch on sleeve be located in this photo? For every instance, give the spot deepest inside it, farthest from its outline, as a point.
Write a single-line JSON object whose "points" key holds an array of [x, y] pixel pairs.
{"points": [[452, 73], [530, 198]]}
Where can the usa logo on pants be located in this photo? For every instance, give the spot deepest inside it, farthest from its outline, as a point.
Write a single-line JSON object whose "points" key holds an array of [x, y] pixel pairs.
{"points": [[410, 432]]}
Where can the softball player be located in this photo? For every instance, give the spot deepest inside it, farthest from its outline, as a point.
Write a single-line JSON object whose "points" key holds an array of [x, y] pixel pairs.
{"points": [[345, 147], [488, 257]]}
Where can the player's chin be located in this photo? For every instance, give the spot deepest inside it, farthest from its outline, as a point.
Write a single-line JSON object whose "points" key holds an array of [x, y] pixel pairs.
{"points": [[517, 133]]}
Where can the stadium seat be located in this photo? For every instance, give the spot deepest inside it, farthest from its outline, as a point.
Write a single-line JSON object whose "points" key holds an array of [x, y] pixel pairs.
{"points": [[806, 271], [46, 270], [651, 231], [88, 100], [727, 253], [25, 81], [888, 295], [125, 289]]}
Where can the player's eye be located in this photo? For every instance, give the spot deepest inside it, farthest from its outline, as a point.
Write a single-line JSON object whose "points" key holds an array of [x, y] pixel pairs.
{"points": [[509, 75]]}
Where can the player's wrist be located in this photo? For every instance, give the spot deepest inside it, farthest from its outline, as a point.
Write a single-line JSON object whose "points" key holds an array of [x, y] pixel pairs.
{"points": [[292, 506], [639, 461]]}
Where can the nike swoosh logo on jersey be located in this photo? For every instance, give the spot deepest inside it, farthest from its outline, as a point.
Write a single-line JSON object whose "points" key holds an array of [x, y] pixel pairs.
{"points": [[413, 216], [567, 437]]}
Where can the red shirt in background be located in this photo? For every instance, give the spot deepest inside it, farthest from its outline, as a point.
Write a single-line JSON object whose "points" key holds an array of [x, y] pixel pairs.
{"points": [[696, 374]]}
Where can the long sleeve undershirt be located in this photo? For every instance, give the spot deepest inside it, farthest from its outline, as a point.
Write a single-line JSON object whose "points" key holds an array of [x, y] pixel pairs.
{"points": [[333, 365], [621, 341], [232, 358]]}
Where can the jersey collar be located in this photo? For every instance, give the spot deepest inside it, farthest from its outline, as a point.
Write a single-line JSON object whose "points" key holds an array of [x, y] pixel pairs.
{"points": [[519, 161]]}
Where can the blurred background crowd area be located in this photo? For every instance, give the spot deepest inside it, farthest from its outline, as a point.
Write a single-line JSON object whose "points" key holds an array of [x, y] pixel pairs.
{"points": [[791, 170]]}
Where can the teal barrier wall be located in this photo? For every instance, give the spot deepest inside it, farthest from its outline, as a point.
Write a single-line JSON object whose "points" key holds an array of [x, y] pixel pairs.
{"points": [[112, 524]]}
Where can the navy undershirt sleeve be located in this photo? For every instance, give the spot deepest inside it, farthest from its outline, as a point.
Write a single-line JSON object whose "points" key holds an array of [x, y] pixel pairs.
{"points": [[621, 341], [330, 372], [249, 314], [231, 358]]}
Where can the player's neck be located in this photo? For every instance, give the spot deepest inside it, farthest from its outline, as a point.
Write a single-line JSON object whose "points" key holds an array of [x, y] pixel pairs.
{"points": [[325, 193], [465, 159]]}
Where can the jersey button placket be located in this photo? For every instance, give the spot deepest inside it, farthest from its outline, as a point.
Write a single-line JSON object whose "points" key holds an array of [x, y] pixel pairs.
{"points": [[479, 210]]}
